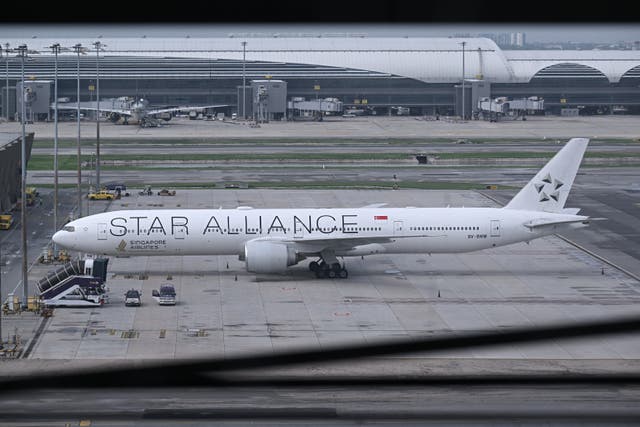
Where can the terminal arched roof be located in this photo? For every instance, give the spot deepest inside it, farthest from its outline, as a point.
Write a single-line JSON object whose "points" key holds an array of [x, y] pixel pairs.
{"points": [[612, 63], [427, 59]]}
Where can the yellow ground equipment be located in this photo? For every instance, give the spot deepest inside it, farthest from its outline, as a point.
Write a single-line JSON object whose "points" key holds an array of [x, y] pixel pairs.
{"points": [[101, 195], [6, 221], [32, 193]]}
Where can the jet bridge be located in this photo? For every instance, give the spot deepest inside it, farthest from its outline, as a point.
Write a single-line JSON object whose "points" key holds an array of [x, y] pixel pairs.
{"points": [[511, 109], [299, 108], [75, 284]]}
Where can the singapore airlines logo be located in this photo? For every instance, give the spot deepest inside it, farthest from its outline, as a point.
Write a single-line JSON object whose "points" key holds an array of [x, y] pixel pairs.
{"points": [[121, 246], [548, 188]]}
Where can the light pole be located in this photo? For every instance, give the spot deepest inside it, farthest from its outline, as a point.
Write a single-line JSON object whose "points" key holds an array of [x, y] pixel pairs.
{"points": [[78, 50], [463, 106], [56, 50], [3, 96], [6, 49], [244, 96], [1, 300], [22, 52], [98, 45]]}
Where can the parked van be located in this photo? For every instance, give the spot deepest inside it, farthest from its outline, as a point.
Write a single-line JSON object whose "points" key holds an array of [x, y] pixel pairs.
{"points": [[166, 295]]}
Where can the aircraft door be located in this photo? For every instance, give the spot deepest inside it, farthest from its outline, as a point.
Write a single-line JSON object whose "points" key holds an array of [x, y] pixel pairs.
{"points": [[398, 226], [495, 228], [179, 233], [102, 231]]}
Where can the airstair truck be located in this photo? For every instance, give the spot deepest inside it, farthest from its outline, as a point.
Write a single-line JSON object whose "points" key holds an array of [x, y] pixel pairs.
{"points": [[76, 284]]}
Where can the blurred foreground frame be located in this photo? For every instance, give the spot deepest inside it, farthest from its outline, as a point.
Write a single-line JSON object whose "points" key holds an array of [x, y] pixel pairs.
{"points": [[240, 371]]}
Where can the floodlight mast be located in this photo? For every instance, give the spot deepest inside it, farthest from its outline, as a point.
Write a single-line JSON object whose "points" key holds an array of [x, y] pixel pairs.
{"points": [[244, 96], [56, 50], [99, 46], [6, 88], [463, 112], [22, 53], [78, 49]]}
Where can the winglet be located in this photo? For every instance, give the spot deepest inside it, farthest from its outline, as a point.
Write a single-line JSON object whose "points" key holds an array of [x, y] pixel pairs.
{"points": [[549, 189]]}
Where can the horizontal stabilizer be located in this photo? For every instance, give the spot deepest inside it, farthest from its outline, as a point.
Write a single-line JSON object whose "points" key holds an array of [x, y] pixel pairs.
{"points": [[536, 223]]}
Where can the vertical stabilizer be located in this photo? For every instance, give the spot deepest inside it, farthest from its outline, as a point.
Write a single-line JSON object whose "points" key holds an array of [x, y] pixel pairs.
{"points": [[549, 189]]}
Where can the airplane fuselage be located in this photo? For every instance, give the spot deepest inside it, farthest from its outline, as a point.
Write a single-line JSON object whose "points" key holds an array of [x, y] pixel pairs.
{"points": [[226, 231], [271, 240]]}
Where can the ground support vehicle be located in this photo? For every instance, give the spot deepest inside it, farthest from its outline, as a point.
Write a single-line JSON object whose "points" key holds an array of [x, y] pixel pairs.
{"points": [[132, 298], [6, 221], [146, 192], [166, 295], [101, 195]]}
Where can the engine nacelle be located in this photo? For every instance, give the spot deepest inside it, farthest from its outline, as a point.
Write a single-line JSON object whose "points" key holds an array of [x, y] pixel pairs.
{"points": [[263, 256]]}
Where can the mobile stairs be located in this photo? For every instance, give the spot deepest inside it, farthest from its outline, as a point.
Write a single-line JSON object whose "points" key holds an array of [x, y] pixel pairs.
{"points": [[75, 284]]}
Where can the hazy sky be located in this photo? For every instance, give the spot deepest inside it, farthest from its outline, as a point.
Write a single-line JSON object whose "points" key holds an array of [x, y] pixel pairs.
{"points": [[534, 33]]}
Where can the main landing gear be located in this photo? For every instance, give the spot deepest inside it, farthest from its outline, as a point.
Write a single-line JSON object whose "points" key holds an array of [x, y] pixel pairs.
{"points": [[324, 270], [328, 266]]}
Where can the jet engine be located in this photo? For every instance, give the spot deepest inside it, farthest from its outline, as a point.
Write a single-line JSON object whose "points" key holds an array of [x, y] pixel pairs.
{"points": [[263, 256], [114, 117]]}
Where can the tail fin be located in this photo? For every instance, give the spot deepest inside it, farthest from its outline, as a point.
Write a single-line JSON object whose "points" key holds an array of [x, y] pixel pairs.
{"points": [[549, 189]]}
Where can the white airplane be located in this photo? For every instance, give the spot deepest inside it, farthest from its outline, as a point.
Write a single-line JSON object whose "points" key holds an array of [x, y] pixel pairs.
{"points": [[128, 108], [270, 240]]}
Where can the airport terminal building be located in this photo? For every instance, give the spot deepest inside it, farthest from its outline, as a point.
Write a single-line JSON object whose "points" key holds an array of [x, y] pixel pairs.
{"points": [[423, 74]]}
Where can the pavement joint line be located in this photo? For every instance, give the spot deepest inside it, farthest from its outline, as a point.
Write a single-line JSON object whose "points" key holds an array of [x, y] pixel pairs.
{"points": [[34, 341], [582, 248], [606, 261]]}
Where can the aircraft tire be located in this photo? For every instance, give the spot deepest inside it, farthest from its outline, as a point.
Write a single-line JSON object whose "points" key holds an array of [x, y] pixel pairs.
{"points": [[320, 273], [314, 266], [332, 274], [343, 273]]}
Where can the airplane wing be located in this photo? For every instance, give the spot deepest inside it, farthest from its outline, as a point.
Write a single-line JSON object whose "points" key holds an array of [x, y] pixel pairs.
{"points": [[341, 243], [120, 111], [183, 108]]}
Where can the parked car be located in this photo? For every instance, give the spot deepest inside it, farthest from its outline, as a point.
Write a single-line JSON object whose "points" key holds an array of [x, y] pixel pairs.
{"points": [[101, 195], [132, 298], [116, 186]]}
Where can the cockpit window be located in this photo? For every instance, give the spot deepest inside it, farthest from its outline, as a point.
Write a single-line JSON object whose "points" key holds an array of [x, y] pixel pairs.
{"points": [[69, 228]]}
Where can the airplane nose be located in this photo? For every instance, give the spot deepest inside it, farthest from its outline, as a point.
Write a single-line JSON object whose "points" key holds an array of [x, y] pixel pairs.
{"points": [[64, 239], [57, 237]]}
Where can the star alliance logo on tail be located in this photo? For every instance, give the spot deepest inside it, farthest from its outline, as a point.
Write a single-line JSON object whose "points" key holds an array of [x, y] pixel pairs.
{"points": [[548, 188]]}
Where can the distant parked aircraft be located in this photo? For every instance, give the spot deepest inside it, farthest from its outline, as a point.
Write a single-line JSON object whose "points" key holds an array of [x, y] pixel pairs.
{"points": [[129, 109]]}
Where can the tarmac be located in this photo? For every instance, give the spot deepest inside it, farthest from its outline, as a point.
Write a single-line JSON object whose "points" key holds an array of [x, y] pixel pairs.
{"points": [[224, 311], [372, 127]]}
